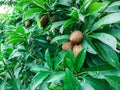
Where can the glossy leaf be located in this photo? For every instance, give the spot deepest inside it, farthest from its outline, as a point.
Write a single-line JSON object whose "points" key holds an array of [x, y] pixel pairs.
{"points": [[56, 24], [69, 56], [16, 83], [103, 74], [108, 19], [70, 82], [62, 37], [108, 54], [32, 11], [97, 84], [114, 81], [56, 77], [48, 59], [3, 84], [38, 79], [79, 60], [95, 7], [67, 23], [107, 39]]}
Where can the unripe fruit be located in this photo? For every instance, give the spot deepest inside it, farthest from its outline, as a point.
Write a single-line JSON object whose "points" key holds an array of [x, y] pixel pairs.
{"points": [[44, 20], [76, 37], [77, 49], [67, 45], [53, 19], [28, 23]]}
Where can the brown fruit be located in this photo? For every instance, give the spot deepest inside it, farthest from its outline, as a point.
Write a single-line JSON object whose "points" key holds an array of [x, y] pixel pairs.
{"points": [[53, 19], [67, 45], [28, 23], [76, 37], [77, 49], [44, 20]]}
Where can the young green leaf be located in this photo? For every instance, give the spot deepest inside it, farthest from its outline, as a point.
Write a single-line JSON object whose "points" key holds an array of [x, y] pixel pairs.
{"points": [[94, 8], [69, 56], [40, 3], [32, 11], [79, 60], [48, 59], [70, 82]]}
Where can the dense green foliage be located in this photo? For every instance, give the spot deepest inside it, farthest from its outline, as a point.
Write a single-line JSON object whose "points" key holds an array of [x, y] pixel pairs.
{"points": [[32, 58]]}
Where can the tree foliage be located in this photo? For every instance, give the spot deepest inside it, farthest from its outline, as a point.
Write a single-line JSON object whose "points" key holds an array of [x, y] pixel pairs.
{"points": [[31, 55]]}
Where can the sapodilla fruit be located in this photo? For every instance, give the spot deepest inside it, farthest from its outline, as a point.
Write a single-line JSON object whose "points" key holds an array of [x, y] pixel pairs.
{"points": [[77, 49], [28, 23], [67, 45], [44, 20], [76, 37], [53, 19]]}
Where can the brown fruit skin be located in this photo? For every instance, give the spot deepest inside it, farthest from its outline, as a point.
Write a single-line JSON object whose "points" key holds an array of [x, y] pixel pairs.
{"points": [[67, 45], [76, 37], [28, 23], [77, 49], [53, 19], [44, 21]]}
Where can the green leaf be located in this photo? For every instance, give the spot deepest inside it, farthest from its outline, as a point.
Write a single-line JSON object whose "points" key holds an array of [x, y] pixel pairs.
{"points": [[69, 63], [76, 14], [20, 30], [79, 60], [70, 82], [98, 68], [108, 19], [96, 84], [114, 4], [107, 39], [15, 54], [102, 74], [69, 56], [56, 24], [67, 23], [114, 81], [115, 33], [85, 5], [95, 7], [87, 43], [56, 77], [41, 3], [15, 40], [16, 83], [38, 68], [3, 84], [38, 79], [108, 54], [39, 23], [48, 59], [65, 2], [58, 38], [31, 11]]}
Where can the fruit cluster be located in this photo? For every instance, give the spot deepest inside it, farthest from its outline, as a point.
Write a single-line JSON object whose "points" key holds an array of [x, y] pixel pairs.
{"points": [[44, 20], [74, 44]]}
